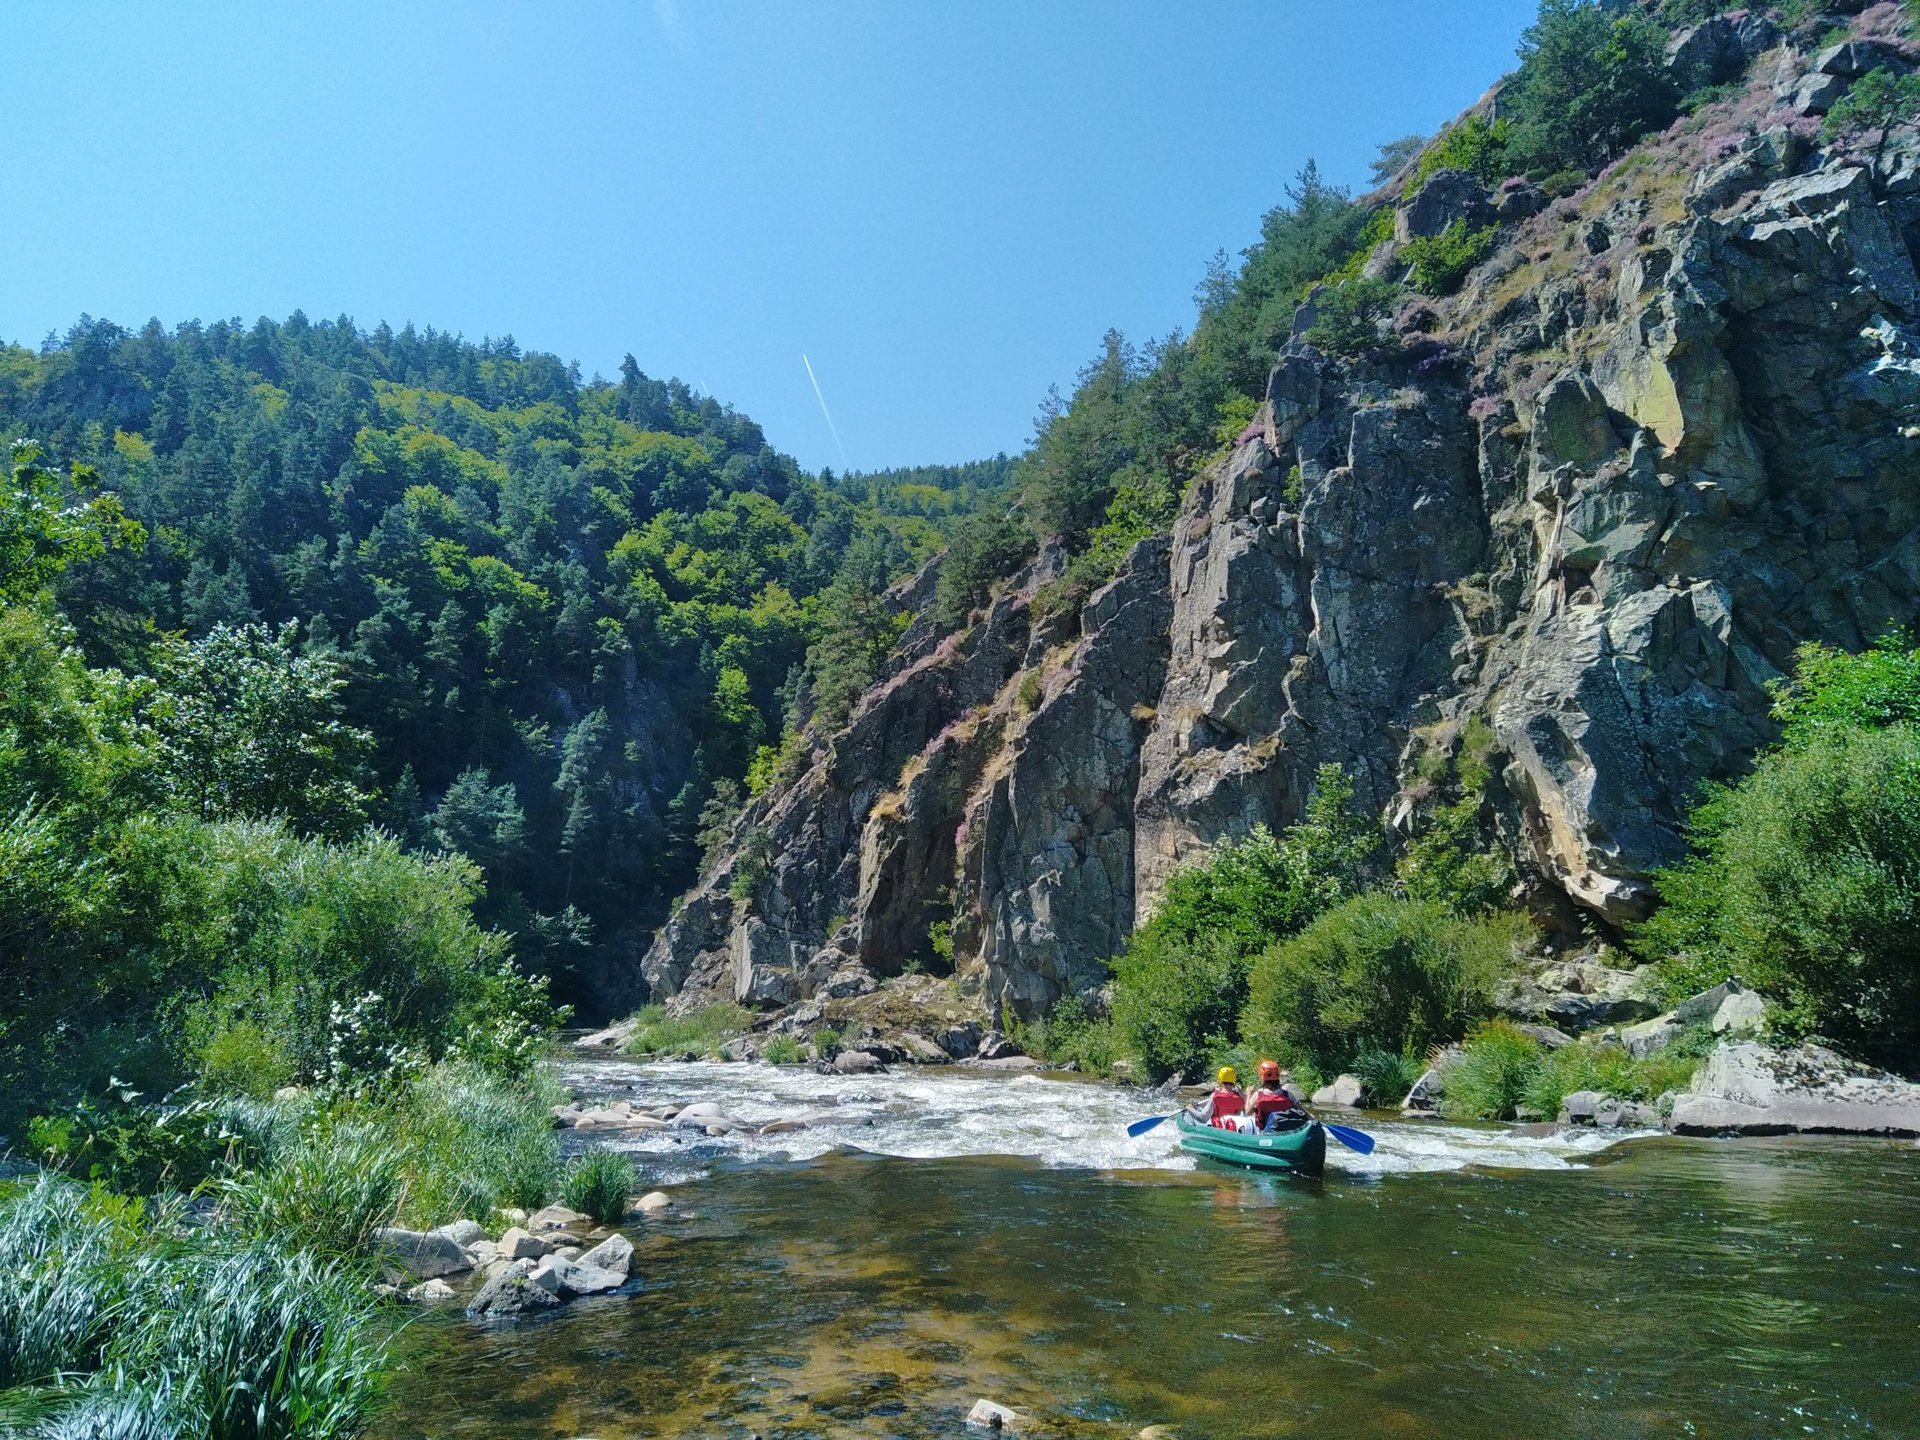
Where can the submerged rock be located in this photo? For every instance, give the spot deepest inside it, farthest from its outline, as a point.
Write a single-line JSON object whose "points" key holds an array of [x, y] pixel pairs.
{"points": [[653, 1202], [557, 1217], [1750, 1089], [990, 1415]]}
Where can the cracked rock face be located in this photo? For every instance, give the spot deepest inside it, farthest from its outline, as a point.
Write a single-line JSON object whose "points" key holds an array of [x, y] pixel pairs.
{"points": [[1598, 519]]}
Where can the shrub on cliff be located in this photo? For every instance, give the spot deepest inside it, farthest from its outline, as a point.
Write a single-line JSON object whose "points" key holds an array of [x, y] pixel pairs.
{"points": [[1378, 973], [1805, 882], [1181, 983], [1592, 80], [1805, 876]]}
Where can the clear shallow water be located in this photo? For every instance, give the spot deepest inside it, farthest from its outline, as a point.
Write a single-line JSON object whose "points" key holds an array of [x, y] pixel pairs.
{"points": [[1473, 1285]]}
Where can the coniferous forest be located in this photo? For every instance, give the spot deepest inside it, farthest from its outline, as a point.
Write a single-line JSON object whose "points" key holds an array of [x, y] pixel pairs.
{"points": [[565, 615]]}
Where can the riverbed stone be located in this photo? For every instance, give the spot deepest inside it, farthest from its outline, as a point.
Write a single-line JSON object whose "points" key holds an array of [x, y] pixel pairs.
{"points": [[782, 1127], [511, 1293], [855, 1062], [421, 1255], [1582, 1107], [653, 1202], [464, 1233], [613, 1254], [557, 1217], [569, 1278], [430, 1292], [1346, 1090], [1748, 1088], [518, 1244], [990, 1415]]}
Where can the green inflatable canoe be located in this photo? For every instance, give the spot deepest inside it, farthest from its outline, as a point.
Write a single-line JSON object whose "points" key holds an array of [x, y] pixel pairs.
{"points": [[1303, 1149]]}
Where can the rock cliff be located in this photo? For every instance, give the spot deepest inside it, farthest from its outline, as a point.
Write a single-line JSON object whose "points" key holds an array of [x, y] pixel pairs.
{"points": [[1664, 435]]}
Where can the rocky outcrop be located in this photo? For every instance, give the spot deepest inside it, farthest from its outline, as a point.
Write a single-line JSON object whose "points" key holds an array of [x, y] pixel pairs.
{"points": [[1749, 1089], [1664, 436]]}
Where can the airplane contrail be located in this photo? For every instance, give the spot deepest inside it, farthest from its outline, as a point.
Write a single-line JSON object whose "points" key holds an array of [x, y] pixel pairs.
{"points": [[831, 427]]}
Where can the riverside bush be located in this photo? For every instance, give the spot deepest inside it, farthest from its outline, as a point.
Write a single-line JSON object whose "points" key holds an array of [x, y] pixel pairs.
{"points": [[1805, 883], [1501, 1070], [701, 1033], [1071, 1034], [600, 1183], [1378, 973], [1181, 983]]}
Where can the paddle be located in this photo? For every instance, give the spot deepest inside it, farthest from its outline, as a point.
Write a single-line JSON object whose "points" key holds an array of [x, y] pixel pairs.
{"points": [[1353, 1139], [1140, 1127]]}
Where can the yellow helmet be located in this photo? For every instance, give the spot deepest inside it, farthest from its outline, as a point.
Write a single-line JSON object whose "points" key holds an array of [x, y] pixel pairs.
{"points": [[1226, 1075]]}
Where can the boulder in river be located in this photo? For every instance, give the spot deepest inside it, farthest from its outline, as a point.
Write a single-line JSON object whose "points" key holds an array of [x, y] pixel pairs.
{"points": [[556, 1217], [855, 1062], [517, 1244], [995, 1046], [570, 1278], [1346, 1090], [653, 1202], [1749, 1089], [422, 1256], [614, 1254], [511, 1293], [464, 1233], [430, 1292]]}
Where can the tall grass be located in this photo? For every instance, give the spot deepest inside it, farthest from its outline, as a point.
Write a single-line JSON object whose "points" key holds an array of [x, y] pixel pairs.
{"points": [[473, 1144], [599, 1184], [701, 1033], [328, 1192], [119, 1322], [1501, 1070]]}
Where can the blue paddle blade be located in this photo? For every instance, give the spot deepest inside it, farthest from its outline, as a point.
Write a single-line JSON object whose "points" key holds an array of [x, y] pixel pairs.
{"points": [[1140, 1127], [1352, 1139]]}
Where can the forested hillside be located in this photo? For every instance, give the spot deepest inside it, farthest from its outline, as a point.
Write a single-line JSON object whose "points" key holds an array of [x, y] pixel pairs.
{"points": [[567, 613]]}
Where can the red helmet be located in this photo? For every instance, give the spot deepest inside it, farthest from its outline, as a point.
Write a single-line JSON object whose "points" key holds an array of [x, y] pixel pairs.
{"points": [[1269, 1070]]}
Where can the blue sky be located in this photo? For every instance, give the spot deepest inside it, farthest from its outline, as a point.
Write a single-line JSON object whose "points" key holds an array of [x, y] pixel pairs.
{"points": [[943, 205]]}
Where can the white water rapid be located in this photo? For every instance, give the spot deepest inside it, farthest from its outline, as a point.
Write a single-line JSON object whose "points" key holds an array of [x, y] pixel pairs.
{"points": [[930, 1113]]}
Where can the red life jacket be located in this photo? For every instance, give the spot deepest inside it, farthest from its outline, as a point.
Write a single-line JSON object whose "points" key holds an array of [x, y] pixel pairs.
{"points": [[1226, 1102], [1269, 1102]]}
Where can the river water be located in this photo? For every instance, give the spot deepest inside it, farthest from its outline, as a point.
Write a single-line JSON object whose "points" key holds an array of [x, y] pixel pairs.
{"points": [[934, 1237]]}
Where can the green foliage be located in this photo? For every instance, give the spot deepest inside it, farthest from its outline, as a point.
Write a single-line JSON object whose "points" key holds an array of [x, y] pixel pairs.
{"points": [[326, 1192], [783, 1050], [1490, 1078], [1387, 1075], [133, 1147], [1181, 983], [826, 1043], [985, 548], [1348, 316], [556, 604], [1393, 157], [1830, 688], [1451, 859], [1805, 882], [50, 521], [247, 727], [752, 864], [702, 1033], [157, 1329], [1591, 81], [473, 1144], [1377, 973], [1440, 262], [1477, 145], [599, 1184], [1502, 1071], [1878, 101], [1071, 1034]]}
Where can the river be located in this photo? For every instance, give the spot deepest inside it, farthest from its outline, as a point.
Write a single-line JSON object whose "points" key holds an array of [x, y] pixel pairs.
{"points": [[937, 1236]]}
